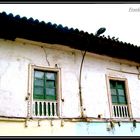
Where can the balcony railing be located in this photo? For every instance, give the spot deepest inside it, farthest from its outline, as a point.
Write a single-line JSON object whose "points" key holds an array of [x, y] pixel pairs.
{"points": [[120, 111], [44, 109]]}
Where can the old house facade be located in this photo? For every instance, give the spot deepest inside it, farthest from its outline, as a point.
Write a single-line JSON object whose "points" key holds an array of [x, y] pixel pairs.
{"points": [[39, 81]]}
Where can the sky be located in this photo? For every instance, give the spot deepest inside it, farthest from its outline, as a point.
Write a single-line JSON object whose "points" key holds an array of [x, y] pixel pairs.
{"points": [[120, 20]]}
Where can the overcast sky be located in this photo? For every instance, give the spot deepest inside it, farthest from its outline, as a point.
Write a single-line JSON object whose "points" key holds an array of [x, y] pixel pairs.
{"points": [[120, 20]]}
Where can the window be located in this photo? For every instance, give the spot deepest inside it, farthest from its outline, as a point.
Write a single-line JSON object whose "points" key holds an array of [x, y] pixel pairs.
{"points": [[45, 93], [44, 85], [119, 99], [118, 92]]}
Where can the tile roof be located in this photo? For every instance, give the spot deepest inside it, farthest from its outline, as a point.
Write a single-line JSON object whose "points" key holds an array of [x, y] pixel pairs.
{"points": [[12, 27]]}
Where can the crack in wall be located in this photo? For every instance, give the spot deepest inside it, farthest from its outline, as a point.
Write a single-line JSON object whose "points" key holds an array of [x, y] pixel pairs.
{"points": [[46, 56], [3, 70]]}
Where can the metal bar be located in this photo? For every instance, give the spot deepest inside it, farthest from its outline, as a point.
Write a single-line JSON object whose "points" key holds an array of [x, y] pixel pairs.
{"points": [[55, 109], [42, 108], [120, 111]]}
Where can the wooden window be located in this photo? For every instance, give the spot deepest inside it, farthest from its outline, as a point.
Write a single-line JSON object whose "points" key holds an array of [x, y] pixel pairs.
{"points": [[120, 106], [45, 103], [118, 93], [44, 85]]}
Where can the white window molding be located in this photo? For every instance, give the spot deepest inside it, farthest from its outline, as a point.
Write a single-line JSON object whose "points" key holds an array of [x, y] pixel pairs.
{"points": [[43, 103], [119, 108]]}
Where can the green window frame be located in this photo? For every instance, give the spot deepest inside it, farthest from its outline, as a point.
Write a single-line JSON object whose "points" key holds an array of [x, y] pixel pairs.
{"points": [[45, 85], [118, 92]]}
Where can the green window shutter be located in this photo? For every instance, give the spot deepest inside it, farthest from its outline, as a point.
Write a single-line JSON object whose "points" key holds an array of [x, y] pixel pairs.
{"points": [[121, 92], [51, 85], [38, 85], [44, 85], [113, 92], [118, 92]]}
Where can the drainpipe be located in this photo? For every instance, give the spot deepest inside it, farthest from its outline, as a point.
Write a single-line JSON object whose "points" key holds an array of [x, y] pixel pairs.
{"points": [[100, 31]]}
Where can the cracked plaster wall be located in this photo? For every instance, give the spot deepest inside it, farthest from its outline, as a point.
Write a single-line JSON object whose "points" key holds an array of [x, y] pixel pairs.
{"points": [[15, 56]]}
